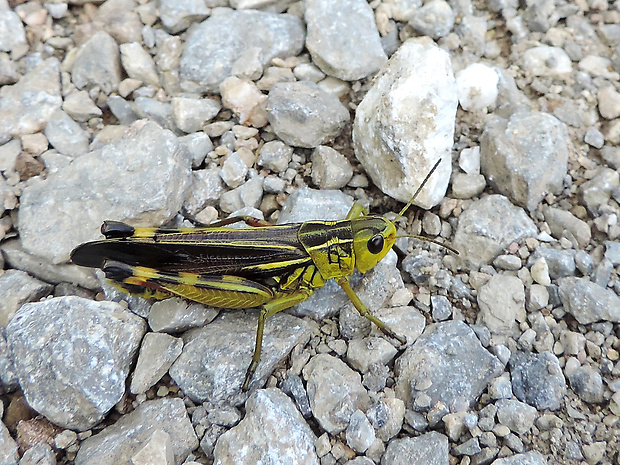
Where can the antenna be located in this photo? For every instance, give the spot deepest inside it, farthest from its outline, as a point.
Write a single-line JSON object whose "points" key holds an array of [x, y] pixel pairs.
{"points": [[430, 173]]}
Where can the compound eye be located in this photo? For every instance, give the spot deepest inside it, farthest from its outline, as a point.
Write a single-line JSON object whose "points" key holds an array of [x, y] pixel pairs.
{"points": [[375, 244]]}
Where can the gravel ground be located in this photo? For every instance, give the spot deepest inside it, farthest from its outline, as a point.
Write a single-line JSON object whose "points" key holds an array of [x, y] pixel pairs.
{"points": [[172, 113]]}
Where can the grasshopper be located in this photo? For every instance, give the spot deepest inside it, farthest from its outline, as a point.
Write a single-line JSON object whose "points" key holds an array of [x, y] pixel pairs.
{"points": [[269, 266]]}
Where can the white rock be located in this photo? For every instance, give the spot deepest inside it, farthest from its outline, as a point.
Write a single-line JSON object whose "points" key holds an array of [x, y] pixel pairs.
{"points": [[540, 272], [138, 63], [469, 160], [405, 123], [477, 85], [598, 66], [547, 61]]}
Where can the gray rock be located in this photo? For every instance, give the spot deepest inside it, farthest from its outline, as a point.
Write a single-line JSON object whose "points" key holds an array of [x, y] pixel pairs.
{"points": [[561, 263], [8, 71], [587, 383], [435, 19], [335, 392], [272, 431], [8, 377], [157, 353], [416, 85], [215, 358], [293, 386], [525, 157], [212, 47], [442, 308], [588, 302], [178, 15], [446, 364], [197, 144], [488, 226], [120, 20], [233, 170], [8, 447], [330, 169], [191, 114], [26, 106], [597, 191], [141, 179], [97, 64], [122, 109], [304, 115], [537, 379], [122, 440], [248, 194], [80, 107], [517, 416], [335, 31], [564, 224], [206, 189], [466, 186], [359, 434], [39, 454], [502, 304], [507, 262], [76, 346], [177, 315], [529, 458], [361, 353], [154, 110], [138, 63], [594, 138], [158, 449], [275, 156], [541, 16], [9, 153], [17, 288], [65, 135], [428, 449], [387, 417], [38, 267], [307, 204]]}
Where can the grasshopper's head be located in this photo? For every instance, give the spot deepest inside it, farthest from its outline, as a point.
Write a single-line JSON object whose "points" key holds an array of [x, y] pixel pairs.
{"points": [[373, 237]]}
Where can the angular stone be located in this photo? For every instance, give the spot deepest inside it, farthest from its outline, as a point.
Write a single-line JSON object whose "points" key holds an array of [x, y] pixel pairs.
{"points": [[97, 63], [26, 106], [274, 428], [446, 364], [142, 179], [76, 346], [335, 392], [488, 226], [588, 302], [215, 358], [428, 449], [213, 46], [157, 353], [304, 115], [538, 380], [18, 288], [121, 441], [335, 30], [525, 157], [415, 90], [65, 135]]}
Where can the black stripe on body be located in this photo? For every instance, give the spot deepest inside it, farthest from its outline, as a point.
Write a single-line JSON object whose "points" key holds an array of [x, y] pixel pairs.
{"points": [[250, 253]]}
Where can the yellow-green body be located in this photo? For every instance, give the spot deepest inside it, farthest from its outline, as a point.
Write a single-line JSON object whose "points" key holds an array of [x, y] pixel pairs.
{"points": [[269, 266]]}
